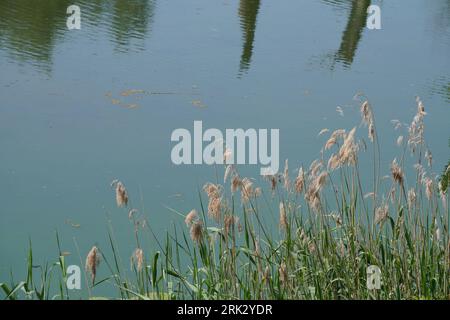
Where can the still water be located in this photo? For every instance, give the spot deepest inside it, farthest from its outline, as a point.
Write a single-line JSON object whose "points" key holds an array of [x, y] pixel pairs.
{"points": [[80, 108]]}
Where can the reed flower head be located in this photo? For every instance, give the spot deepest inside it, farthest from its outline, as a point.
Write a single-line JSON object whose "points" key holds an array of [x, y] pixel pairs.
{"points": [[316, 183], [121, 193], [247, 190], [230, 171], [132, 213], [366, 113], [214, 208], [420, 107], [229, 223], [411, 197], [429, 158], [190, 217], [214, 192], [196, 231], [300, 181], [339, 133], [235, 184], [333, 162], [397, 172], [416, 128], [323, 131], [348, 150], [314, 168], [381, 214], [321, 180], [287, 181], [138, 258], [428, 182], [283, 217], [367, 119], [92, 262]]}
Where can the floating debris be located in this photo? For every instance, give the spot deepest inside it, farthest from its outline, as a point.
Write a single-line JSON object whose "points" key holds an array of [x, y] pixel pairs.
{"points": [[72, 224], [130, 92], [198, 103]]}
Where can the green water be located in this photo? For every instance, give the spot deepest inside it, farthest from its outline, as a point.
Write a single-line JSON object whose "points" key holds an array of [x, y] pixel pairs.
{"points": [[68, 127]]}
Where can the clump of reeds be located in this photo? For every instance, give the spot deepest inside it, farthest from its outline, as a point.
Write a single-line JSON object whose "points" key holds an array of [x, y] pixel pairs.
{"points": [[333, 227]]}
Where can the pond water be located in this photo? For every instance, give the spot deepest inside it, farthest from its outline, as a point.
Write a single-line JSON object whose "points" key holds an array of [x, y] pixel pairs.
{"points": [[80, 108]]}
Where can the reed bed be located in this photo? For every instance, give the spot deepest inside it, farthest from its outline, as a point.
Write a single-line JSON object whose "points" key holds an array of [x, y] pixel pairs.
{"points": [[331, 228]]}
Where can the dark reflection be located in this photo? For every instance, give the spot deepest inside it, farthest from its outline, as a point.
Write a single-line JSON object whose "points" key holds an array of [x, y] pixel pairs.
{"points": [[441, 87], [248, 12], [29, 30], [131, 20], [441, 18], [352, 35]]}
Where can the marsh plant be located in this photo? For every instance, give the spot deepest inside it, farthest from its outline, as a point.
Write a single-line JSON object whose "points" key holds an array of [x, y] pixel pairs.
{"points": [[310, 233]]}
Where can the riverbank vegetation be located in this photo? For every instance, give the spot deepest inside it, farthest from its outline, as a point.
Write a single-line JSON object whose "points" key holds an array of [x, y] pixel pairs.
{"points": [[331, 225]]}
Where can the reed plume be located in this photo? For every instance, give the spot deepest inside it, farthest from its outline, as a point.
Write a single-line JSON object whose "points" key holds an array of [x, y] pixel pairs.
{"points": [[411, 197], [283, 217], [416, 128], [214, 192], [428, 182], [132, 213], [334, 138], [367, 119], [196, 231], [92, 262], [190, 217], [381, 214], [121, 193], [321, 132], [138, 258], [246, 190], [236, 183], [300, 181], [287, 181], [229, 223], [397, 172]]}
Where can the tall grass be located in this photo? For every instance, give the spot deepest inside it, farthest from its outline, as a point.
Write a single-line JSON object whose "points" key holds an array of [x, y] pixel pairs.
{"points": [[331, 228]]}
